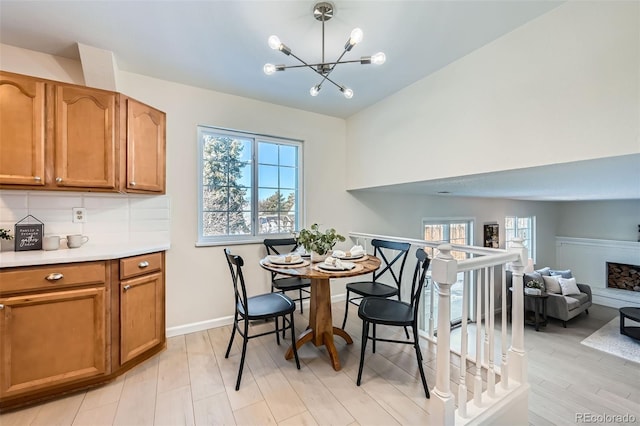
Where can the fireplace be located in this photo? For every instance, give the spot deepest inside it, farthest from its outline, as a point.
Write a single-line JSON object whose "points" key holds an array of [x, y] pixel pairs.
{"points": [[623, 276]]}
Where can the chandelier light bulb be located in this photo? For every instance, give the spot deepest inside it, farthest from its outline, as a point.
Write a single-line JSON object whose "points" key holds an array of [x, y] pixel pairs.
{"points": [[274, 42], [379, 58], [315, 90], [269, 69], [356, 36], [348, 93]]}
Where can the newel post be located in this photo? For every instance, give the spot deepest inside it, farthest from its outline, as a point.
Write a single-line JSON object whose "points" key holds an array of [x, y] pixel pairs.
{"points": [[444, 271], [517, 357]]}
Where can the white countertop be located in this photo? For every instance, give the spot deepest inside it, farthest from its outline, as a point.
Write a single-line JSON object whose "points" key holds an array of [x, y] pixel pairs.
{"points": [[85, 253]]}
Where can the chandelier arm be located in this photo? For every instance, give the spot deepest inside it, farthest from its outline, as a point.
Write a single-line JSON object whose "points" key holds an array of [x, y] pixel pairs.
{"points": [[321, 63]]}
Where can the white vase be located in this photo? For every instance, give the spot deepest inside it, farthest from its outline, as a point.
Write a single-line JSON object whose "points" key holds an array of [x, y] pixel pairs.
{"points": [[315, 257]]}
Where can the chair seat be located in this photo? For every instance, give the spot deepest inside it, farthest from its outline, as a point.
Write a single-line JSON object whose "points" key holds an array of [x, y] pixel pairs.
{"points": [[267, 306], [291, 283], [370, 288], [386, 311]]}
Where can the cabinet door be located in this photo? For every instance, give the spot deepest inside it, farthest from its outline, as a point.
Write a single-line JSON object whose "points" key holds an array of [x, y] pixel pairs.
{"points": [[85, 143], [22, 130], [145, 148], [50, 339], [141, 315]]}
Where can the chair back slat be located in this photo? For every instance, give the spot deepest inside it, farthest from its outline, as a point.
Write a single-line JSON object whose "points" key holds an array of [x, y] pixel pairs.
{"points": [[381, 250], [419, 276], [236, 263]]}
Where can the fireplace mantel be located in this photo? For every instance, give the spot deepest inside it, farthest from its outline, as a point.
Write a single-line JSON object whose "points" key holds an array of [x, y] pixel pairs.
{"points": [[587, 258]]}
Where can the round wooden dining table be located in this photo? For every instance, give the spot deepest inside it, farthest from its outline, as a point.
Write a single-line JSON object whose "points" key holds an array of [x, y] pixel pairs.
{"points": [[321, 330]]}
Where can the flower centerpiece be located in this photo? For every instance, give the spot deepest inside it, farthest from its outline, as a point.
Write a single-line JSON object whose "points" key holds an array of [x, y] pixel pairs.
{"points": [[533, 287], [318, 243]]}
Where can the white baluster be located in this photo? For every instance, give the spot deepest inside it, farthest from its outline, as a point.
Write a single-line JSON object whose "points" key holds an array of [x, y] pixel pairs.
{"points": [[504, 370], [477, 380], [462, 387], [491, 372]]}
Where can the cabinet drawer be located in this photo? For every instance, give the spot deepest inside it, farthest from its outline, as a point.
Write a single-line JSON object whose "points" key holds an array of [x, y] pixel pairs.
{"points": [[140, 265], [53, 277]]}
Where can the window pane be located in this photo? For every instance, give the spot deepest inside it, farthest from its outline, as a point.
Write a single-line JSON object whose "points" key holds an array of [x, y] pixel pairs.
{"points": [[267, 153], [269, 200], [268, 176], [215, 200], [288, 155], [288, 177], [214, 224]]}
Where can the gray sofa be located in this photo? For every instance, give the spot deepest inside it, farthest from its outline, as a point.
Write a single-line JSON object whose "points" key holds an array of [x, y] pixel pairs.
{"points": [[560, 307]]}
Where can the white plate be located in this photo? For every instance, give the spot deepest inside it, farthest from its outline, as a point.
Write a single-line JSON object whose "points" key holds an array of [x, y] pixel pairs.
{"points": [[346, 266], [358, 256], [279, 260]]}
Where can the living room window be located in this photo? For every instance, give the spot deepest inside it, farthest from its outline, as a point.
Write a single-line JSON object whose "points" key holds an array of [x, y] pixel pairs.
{"points": [[249, 185], [523, 227]]}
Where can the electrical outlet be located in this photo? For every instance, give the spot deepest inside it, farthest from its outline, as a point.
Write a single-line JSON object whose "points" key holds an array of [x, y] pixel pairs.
{"points": [[79, 215]]}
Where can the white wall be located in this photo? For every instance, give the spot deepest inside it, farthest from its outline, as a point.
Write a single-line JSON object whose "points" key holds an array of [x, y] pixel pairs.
{"points": [[563, 87], [604, 220]]}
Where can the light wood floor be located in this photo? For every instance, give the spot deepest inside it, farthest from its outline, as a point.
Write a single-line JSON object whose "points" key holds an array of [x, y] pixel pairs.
{"points": [[192, 383]]}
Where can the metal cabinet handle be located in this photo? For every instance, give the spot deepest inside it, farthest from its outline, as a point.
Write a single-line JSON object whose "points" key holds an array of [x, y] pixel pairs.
{"points": [[54, 276], [1, 306], [142, 265], [37, 178], [132, 183], [58, 179], [126, 287]]}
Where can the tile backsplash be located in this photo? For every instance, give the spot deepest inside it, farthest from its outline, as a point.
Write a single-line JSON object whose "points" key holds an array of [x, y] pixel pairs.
{"points": [[111, 218]]}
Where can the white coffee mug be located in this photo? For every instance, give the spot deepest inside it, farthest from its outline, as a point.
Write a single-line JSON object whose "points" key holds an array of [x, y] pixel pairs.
{"points": [[76, 240], [51, 242]]}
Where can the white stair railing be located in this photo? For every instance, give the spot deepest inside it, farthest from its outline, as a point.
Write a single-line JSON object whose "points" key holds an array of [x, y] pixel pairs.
{"points": [[509, 400]]}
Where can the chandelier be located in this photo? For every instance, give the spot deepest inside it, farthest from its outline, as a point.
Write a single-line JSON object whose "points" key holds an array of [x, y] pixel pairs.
{"points": [[323, 12]]}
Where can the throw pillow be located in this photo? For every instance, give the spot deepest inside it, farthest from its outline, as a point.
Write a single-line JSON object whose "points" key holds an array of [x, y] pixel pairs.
{"points": [[564, 274], [552, 284], [568, 286], [544, 271]]}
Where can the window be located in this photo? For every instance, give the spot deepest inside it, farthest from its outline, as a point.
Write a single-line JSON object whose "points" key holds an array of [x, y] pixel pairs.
{"points": [[523, 227], [249, 185], [454, 231]]}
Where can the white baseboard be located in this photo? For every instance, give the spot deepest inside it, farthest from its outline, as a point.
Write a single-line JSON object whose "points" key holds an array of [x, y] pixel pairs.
{"points": [[194, 327]]}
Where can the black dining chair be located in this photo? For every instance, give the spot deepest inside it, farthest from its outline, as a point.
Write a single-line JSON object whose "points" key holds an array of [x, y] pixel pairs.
{"points": [[259, 307], [395, 313], [276, 246], [390, 253]]}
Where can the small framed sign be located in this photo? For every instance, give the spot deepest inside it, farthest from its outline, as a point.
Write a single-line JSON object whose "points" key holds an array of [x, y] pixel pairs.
{"points": [[28, 236]]}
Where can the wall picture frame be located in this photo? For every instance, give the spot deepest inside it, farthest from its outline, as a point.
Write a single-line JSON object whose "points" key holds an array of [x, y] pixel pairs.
{"points": [[492, 235]]}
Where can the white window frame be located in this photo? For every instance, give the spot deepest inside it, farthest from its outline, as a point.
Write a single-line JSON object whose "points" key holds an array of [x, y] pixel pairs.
{"points": [[256, 236], [530, 243]]}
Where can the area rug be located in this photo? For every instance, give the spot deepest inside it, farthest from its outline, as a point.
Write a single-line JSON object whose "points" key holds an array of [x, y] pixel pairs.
{"points": [[608, 339]]}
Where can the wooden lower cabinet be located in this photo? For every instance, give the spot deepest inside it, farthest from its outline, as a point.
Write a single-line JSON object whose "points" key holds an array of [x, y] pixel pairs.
{"points": [[68, 327], [51, 339], [141, 315]]}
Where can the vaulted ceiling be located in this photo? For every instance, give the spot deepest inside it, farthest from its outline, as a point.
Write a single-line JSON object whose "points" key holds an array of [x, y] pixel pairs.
{"points": [[222, 46]]}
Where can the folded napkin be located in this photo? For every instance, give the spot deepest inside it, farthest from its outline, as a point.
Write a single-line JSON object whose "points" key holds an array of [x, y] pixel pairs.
{"points": [[339, 253], [287, 258], [334, 262], [357, 251]]}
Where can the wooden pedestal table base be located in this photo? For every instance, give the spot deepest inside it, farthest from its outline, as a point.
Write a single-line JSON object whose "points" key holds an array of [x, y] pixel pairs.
{"points": [[321, 330]]}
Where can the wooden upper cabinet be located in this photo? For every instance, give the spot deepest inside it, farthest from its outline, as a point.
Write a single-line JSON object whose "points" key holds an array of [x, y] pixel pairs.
{"points": [[85, 138], [22, 130], [145, 148]]}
